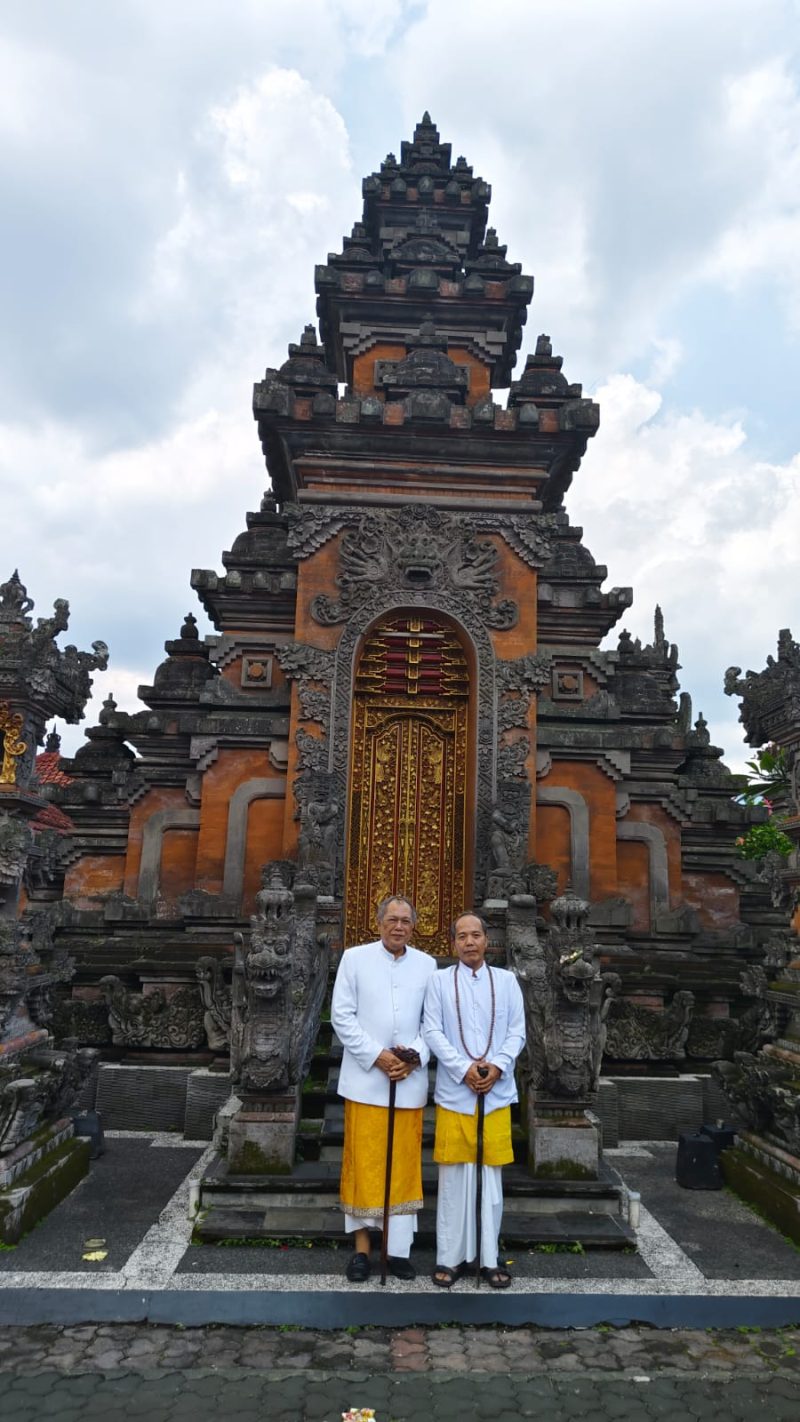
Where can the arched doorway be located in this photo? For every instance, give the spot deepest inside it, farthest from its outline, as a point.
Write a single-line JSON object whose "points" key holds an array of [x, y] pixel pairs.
{"points": [[408, 785]]}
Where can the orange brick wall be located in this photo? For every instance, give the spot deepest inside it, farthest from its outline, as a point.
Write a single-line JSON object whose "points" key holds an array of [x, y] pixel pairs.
{"points": [[599, 792], [178, 855], [654, 815], [714, 897], [231, 769], [552, 841], [171, 798], [264, 842], [634, 880], [93, 877]]}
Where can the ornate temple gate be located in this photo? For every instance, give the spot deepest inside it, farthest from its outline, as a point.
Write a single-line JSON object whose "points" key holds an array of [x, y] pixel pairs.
{"points": [[408, 810]]}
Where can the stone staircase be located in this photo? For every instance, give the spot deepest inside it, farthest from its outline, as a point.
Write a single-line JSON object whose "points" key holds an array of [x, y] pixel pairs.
{"points": [[304, 1204]]}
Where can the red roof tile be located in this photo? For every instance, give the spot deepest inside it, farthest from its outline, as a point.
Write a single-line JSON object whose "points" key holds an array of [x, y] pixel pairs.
{"points": [[50, 817], [48, 769]]}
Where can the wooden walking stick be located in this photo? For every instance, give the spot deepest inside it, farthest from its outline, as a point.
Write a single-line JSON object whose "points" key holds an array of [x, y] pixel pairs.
{"points": [[482, 1072], [411, 1058], [388, 1182]]}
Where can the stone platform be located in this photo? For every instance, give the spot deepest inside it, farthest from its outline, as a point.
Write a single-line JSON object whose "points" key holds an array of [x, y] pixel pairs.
{"points": [[703, 1260], [306, 1203]]}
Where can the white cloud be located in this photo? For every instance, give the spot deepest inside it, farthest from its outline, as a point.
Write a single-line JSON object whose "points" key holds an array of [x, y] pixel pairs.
{"points": [[635, 151], [117, 529], [161, 236], [679, 509]]}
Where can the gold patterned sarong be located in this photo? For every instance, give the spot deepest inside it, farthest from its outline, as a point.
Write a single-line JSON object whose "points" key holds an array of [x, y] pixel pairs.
{"points": [[457, 1137], [364, 1161]]}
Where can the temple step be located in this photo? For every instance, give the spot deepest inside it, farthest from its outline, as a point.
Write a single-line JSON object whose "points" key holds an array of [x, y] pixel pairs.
{"points": [[522, 1194], [323, 1221]]}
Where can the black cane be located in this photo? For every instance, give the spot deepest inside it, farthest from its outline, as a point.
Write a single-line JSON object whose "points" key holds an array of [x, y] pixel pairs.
{"points": [[483, 1072], [388, 1184]]}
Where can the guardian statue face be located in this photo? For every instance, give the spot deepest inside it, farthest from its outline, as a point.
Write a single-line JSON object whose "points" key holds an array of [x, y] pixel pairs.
{"points": [[268, 965]]}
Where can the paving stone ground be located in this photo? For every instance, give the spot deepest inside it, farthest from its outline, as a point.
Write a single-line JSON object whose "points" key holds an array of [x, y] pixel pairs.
{"points": [[166, 1374]]}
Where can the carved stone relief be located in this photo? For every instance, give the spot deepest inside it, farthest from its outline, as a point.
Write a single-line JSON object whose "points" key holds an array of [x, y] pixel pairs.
{"points": [[530, 536], [153, 1019], [416, 548], [638, 1033], [216, 998]]}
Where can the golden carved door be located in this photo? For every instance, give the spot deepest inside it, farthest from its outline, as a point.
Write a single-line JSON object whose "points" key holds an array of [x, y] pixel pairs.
{"points": [[407, 817]]}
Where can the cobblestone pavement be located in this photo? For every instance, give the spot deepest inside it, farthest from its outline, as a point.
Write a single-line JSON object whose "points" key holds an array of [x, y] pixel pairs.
{"points": [[166, 1374]]}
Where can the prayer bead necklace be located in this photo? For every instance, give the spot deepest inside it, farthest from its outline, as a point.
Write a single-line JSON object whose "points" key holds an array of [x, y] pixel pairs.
{"points": [[482, 1054]]}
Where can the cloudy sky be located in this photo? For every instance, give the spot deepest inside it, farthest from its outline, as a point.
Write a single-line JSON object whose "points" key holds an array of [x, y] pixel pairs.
{"points": [[172, 171]]}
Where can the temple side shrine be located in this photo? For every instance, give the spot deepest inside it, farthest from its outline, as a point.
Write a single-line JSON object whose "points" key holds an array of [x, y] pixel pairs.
{"points": [[405, 690]]}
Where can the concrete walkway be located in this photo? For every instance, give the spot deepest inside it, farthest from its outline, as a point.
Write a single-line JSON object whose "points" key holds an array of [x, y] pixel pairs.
{"points": [[119, 1249]]}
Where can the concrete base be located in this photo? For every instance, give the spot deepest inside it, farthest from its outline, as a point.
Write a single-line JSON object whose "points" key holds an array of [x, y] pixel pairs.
{"points": [[563, 1147], [37, 1175], [262, 1134]]}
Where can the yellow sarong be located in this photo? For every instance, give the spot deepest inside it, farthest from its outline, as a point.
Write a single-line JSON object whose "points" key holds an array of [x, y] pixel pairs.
{"points": [[364, 1160], [457, 1137]]}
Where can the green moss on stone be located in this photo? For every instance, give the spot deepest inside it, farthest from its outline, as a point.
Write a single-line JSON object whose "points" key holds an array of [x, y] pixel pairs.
{"points": [[250, 1159], [49, 1181], [769, 1194], [563, 1169]]}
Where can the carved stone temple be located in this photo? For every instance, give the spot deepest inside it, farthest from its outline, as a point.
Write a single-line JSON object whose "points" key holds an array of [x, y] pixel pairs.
{"points": [[41, 1158], [406, 691], [764, 1086]]}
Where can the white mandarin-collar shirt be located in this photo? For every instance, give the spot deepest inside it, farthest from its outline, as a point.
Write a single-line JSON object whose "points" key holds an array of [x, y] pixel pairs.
{"points": [[442, 1034], [377, 1003]]}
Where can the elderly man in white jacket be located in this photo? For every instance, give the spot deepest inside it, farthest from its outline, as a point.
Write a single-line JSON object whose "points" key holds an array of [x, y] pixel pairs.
{"points": [[377, 1005]]}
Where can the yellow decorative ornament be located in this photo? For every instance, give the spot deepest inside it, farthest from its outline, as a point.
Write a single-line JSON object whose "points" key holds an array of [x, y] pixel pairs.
{"points": [[12, 744]]}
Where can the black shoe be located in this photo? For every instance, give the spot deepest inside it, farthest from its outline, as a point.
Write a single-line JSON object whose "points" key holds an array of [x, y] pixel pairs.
{"points": [[357, 1270], [401, 1268]]}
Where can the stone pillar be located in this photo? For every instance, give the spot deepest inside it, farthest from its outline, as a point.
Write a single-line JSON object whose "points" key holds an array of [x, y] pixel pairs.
{"points": [[262, 1134], [562, 1144]]}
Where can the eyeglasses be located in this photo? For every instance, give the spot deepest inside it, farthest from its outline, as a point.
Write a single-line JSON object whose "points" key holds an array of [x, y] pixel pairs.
{"points": [[399, 922]]}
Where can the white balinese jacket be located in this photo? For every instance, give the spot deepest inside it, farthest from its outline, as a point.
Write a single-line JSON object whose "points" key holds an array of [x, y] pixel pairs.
{"points": [[377, 1003], [443, 1036]]}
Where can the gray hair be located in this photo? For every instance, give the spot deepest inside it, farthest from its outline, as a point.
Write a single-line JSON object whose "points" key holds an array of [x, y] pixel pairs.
{"points": [[380, 912], [468, 913]]}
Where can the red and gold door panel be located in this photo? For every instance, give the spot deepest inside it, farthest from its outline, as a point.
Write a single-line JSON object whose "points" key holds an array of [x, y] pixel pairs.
{"points": [[407, 814]]}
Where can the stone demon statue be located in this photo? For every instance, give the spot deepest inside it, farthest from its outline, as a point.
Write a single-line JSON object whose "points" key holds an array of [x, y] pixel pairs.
{"points": [[279, 981], [41, 1086], [567, 999]]}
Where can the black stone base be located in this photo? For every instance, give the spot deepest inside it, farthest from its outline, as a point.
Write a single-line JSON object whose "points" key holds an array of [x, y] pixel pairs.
{"points": [[325, 1310]]}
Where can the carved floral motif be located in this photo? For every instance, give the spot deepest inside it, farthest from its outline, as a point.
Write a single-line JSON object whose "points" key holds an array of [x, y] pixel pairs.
{"points": [[637, 1033]]}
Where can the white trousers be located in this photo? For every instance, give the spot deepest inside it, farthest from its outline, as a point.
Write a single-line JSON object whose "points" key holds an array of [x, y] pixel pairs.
{"points": [[455, 1215], [400, 1233]]}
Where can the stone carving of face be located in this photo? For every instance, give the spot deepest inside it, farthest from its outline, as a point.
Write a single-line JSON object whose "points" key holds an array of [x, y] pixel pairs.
{"points": [[269, 966]]}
